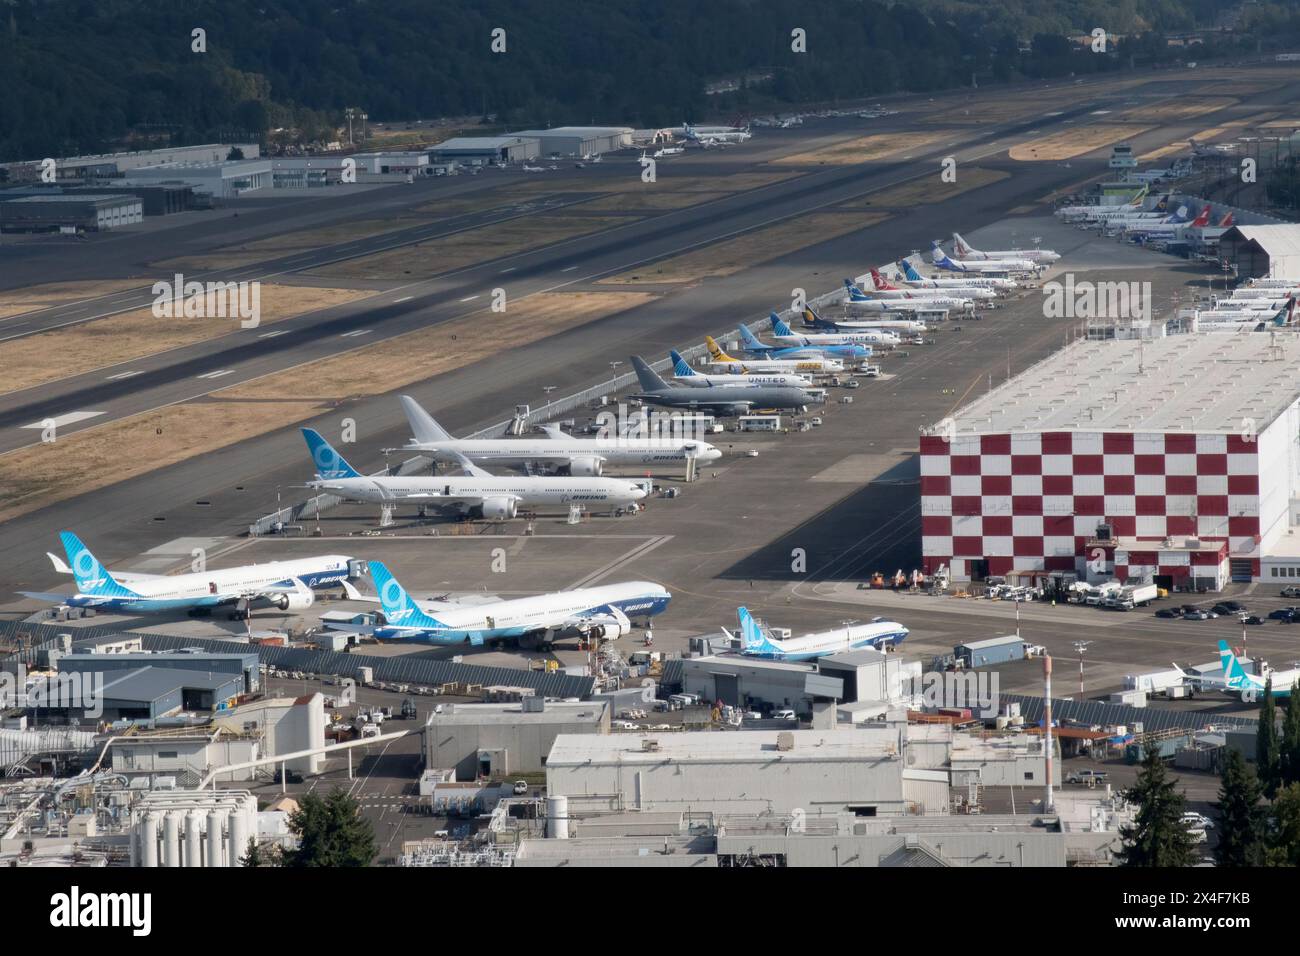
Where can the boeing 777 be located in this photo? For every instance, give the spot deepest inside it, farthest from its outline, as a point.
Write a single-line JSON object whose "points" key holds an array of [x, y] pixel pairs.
{"points": [[878, 634]]}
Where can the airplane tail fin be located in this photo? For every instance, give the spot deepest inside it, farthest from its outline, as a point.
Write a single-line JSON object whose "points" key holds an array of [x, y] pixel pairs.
{"points": [[963, 248], [681, 368], [715, 352], [880, 282], [779, 327], [1203, 219], [853, 290], [908, 271], [329, 463], [423, 426], [91, 576], [750, 340], [1233, 673], [1226, 221], [468, 466], [1286, 314], [398, 607], [752, 638], [1180, 215], [812, 320], [648, 377]]}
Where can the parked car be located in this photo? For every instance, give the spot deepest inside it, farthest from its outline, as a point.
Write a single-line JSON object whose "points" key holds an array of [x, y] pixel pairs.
{"points": [[1167, 612], [1291, 590], [520, 788], [1198, 615], [783, 715], [1223, 610], [1234, 605], [1281, 614], [1252, 619], [1091, 777], [1197, 821]]}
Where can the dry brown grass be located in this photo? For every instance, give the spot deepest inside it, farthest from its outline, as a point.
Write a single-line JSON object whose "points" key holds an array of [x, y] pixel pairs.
{"points": [[448, 253], [1073, 142], [122, 338], [651, 199], [41, 475], [927, 190], [44, 296], [378, 368], [863, 149], [1171, 111], [733, 255]]}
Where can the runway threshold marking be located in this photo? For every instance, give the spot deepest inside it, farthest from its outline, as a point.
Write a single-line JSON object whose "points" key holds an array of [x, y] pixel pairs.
{"points": [[71, 418], [217, 374], [355, 332], [271, 335], [405, 298], [121, 375], [469, 298]]}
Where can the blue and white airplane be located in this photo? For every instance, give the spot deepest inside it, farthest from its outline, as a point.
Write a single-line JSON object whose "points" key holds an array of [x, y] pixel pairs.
{"points": [[878, 634], [916, 280], [879, 338], [600, 612], [283, 584], [1237, 683], [942, 261], [752, 345], [685, 375]]}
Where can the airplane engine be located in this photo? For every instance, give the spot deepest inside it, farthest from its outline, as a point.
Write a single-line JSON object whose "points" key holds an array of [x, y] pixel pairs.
{"points": [[585, 467], [294, 600], [499, 509]]}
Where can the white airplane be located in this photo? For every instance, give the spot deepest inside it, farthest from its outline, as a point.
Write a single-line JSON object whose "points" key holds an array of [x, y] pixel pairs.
{"points": [[1235, 682], [715, 135], [879, 338], [558, 453], [878, 634], [917, 281], [721, 361], [599, 612], [963, 250], [1133, 205], [533, 169], [283, 584], [685, 375], [477, 492], [942, 261], [929, 300], [859, 302], [669, 151], [811, 320], [960, 296], [1168, 227]]}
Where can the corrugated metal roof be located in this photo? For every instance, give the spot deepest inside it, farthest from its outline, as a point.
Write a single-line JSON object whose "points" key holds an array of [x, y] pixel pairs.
{"points": [[1278, 241], [991, 642], [1109, 715]]}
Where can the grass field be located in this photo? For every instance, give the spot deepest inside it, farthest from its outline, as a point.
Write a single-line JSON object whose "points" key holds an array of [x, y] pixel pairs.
{"points": [[1073, 142], [863, 149], [47, 295]]}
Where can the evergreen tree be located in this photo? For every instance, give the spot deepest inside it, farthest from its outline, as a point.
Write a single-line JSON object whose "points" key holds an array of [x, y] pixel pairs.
{"points": [[1284, 841], [1158, 836], [331, 832], [1241, 816], [256, 856], [1290, 746], [1267, 747]]}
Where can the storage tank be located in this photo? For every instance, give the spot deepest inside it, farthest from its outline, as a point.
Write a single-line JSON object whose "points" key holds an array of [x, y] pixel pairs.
{"points": [[315, 734], [238, 836], [193, 839], [557, 818], [149, 840], [172, 839], [214, 839]]}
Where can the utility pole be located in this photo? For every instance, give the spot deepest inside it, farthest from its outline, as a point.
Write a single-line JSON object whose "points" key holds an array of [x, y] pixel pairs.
{"points": [[1080, 647]]}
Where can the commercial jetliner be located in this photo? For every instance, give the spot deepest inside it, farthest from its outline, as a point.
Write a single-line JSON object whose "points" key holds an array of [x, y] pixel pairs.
{"points": [[878, 634], [1168, 227], [876, 339], [916, 280], [955, 297], [558, 452], [752, 345], [963, 250], [685, 375], [723, 362], [283, 584], [718, 399], [812, 320], [942, 261], [600, 612], [859, 301], [1235, 682], [477, 492], [933, 300], [713, 136]]}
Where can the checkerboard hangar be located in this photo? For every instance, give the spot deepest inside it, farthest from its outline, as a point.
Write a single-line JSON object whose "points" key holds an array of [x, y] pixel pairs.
{"points": [[1173, 459]]}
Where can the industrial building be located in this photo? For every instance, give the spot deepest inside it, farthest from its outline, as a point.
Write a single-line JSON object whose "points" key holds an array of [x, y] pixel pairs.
{"points": [[483, 150], [1170, 460], [494, 740], [1256, 251], [304, 172], [192, 829], [111, 164], [579, 140], [64, 213], [220, 180], [242, 667]]}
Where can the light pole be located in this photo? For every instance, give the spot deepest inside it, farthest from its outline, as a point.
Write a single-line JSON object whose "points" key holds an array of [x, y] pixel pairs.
{"points": [[1080, 647]]}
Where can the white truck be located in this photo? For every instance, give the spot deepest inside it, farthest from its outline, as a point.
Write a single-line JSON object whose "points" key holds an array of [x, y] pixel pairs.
{"points": [[1155, 682]]}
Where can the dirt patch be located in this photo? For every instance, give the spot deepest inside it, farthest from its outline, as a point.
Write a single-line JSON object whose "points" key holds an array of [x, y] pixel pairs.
{"points": [[1171, 111], [927, 190], [41, 475], [1073, 142], [733, 255], [384, 366], [49, 294], [448, 253], [122, 338], [651, 198], [864, 149]]}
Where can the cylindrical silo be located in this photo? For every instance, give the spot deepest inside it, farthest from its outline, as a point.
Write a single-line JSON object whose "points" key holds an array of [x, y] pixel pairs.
{"points": [[193, 839], [557, 818], [149, 840], [172, 839], [215, 854], [238, 836]]}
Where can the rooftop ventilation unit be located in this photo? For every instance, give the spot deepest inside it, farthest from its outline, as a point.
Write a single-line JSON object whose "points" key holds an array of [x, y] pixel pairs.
{"points": [[785, 741]]}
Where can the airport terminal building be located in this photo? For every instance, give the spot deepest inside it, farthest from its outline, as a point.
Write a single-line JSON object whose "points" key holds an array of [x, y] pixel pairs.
{"points": [[1173, 459]]}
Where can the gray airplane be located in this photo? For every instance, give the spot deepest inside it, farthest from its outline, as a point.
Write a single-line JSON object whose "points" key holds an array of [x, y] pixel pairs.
{"points": [[739, 399]]}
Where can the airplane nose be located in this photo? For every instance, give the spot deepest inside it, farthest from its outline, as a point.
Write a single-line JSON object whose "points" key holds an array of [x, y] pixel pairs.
{"points": [[637, 492]]}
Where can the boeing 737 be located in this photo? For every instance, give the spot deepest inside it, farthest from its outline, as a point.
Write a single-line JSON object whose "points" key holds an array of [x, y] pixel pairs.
{"points": [[685, 375], [752, 345], [858, 301], [600, 612], [787, 336], [286, 585], [932, 300], [916, 280], [942, 261], [718, 399], [477, 492], [963, 250], [960, 296], [878, 634], [811, 320], [1168, 227], [1235, 682], [722, 362], [558, 452], [715, 135]]}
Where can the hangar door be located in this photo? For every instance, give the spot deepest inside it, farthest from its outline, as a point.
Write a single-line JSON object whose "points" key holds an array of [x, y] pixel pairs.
{"points": [[727, 687]]}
